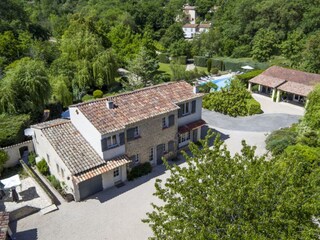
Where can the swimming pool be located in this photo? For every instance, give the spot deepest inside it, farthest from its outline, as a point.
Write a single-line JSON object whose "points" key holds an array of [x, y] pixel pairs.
{"points": [[221, 81]]}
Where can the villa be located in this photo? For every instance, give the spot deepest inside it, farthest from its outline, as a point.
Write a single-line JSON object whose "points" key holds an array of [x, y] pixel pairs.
{"points": [[285, 84], [103, 139], [190, 30]]}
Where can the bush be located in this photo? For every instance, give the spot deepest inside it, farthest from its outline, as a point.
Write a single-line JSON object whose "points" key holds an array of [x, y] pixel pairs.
{"points": [[12, 129], [180, 60], [55, 182], [217, 64], [32, 158], [255, 88], [247, 76], [3, 159], [139, 171], [205, 88], [97, 94], [209, 65], [253, 107], [214, 70], [279, 140], [200, 61], [43, 167], [163, 58], [86, 98]]}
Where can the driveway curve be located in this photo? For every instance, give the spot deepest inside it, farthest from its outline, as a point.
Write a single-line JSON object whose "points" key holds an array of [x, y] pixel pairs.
{"points": [[256, 123]]}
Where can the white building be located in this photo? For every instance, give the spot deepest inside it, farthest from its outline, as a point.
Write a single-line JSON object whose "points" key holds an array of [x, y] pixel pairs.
{"points": [[190, 12], [104, 138], [190, 30]]}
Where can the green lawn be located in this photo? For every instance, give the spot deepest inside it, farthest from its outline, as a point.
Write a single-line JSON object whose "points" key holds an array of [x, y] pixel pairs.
{"points": [[165, 68]]}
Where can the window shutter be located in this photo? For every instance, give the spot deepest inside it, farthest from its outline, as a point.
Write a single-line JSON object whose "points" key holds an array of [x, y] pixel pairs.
{"points": [[170, 146], [104, 144], [121, 137], [171, 120], [130, 134], [193, 107], [180, 111]]}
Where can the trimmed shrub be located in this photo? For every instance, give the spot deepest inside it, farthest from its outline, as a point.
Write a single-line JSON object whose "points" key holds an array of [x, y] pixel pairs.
{"points": [[279, 140], [200, 61], [97, 94], [32, 158], [86, 98], [253, 107], [217, 64], [55, 182], [180, 60], [43, 167], [12, 129], [214, 70], [163, 58], [139, 171], [247, 76], [209, 65]]}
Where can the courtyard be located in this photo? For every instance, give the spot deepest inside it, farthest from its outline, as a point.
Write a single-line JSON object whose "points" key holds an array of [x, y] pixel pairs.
{"points": [[116, 213]]}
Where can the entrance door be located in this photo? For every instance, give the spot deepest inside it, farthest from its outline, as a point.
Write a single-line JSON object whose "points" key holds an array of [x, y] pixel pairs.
{"points": [[117, 174], [160, 153], [195, 135]]}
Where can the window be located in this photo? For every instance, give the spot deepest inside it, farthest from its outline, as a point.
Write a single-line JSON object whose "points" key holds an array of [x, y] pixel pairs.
{"points": [[184, 137], [171, 120], [58, 169], [151, 155], [183, 110], [116, 172], [62, 173], [133, 133], [48, 158], [112, 141], [164, 122]]}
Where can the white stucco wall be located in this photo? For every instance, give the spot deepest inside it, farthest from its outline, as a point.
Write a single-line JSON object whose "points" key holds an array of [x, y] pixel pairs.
{"points": [[14, 152], [43, 147], [116, 151], [108, 179], [87, 130], [193, 116], [188, 32]]}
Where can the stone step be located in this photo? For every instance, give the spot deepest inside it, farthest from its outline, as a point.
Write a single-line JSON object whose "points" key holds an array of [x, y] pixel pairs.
{"points": [[48, 209]]}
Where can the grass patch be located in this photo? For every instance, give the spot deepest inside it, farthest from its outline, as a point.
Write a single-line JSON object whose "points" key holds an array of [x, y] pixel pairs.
{"points": [[165, 68]]}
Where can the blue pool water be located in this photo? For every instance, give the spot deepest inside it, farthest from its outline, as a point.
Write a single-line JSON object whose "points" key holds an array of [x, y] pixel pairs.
{"points": [[222, 81]]}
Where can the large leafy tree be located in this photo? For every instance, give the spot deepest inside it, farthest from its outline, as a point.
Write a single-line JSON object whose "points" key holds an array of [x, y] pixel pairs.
{"points": [[312, 53], [219, 196], [264, 45], [25, 87]]}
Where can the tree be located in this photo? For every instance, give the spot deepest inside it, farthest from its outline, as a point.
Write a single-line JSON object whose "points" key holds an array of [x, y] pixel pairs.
{"points": [[26, 85], [3, 159], [312, 53], [293, 47], [180, 48], [174, 33], [143, 69], [264, 45], [60, 90], [219, 196], [312, 115]]}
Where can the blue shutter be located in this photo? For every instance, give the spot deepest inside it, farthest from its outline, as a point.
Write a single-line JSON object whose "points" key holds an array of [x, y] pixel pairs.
{"points": [[193, 107], [121, 137], [171, 120], [130, 134]]}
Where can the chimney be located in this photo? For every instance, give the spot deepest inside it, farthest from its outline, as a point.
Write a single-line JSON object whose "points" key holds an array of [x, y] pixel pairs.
{"points": [[109, 104], [195, 88]]}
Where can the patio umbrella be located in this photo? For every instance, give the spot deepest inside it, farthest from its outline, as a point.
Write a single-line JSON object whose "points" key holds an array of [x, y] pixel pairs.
{"points": [[247, 67]]}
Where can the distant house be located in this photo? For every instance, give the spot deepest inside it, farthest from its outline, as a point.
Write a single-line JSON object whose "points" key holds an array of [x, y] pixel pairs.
{"points": [[285, 84], [104, 138], [190, 12], [5, 231], [190, 30]]}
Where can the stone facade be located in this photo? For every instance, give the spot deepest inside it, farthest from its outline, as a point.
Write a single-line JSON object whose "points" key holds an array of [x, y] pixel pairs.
{"points": [[151, 135]]}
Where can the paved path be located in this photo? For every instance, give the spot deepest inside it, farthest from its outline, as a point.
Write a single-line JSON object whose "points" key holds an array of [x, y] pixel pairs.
{"points": [[256, 123]]}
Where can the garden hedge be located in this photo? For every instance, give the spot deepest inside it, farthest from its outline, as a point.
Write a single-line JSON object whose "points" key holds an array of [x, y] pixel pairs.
{"points": [[140, 170], [200, 61]]}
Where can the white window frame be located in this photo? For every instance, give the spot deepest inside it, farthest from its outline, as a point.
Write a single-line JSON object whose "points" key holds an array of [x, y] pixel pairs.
{"points": [[151, 154], [164, 122], [116, 172], [136, 132], [183, 137], [113, 141], [185, 107]]}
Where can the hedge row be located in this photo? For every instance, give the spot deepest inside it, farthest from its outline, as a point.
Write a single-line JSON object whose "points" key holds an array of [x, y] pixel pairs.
{"points": [[233, 64], [180, 60], [12, 129], [139, 171]]}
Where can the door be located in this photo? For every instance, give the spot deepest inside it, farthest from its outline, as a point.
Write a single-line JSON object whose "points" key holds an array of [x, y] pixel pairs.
{"points": [[160, 153], [195, 135], [90, 186], [117, 174]]}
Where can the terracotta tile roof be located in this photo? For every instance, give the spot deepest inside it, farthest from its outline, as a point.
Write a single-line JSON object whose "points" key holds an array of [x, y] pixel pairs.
{"points": [[268, 81], [276, 76], [190, 126], [49, 123], [136, 106], [73, 149], [110, 165], [296, 88], [189, 25], [4, 221], [204, 25]]}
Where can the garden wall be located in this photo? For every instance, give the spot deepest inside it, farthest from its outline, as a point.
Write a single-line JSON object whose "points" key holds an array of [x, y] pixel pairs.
{"points": [[15, 152]]}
